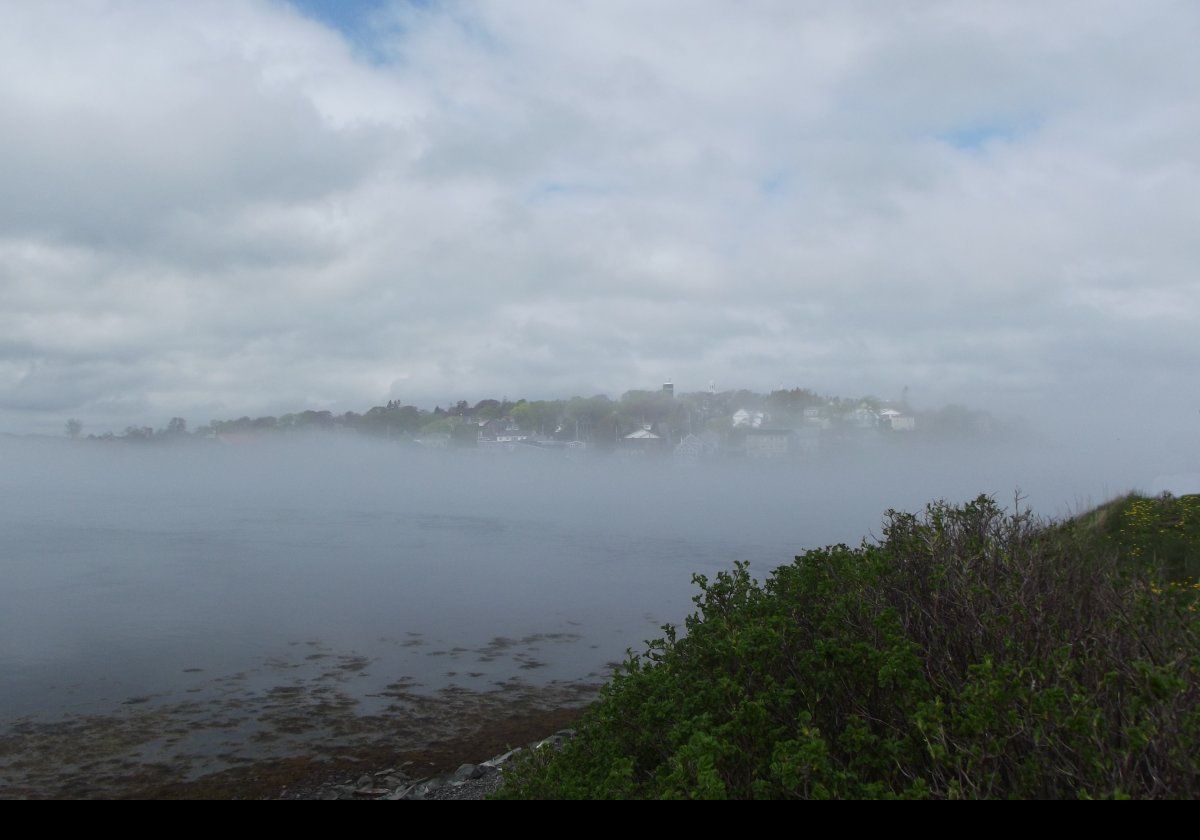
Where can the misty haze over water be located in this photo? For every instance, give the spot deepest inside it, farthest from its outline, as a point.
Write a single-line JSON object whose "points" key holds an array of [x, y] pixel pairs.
{"points": [[127, 569]]}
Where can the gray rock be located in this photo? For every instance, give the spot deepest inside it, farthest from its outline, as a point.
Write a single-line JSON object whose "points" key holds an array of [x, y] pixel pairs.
{"points": [[424, 789], [466, 773], [501, 760], [371, 793], [400, 793]]}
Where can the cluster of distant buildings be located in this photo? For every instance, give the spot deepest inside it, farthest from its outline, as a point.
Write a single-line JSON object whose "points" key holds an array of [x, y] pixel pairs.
{"points": [[748, 434], [863, 417], [752, 435], [796, 425]]}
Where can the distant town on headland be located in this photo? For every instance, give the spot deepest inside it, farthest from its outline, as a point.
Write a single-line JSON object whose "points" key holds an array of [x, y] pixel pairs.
{"points": [[788, 424]]}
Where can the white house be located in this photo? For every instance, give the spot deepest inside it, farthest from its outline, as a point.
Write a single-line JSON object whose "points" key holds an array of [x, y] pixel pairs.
{"points": [[898, 421], [770, 444], [690, 448], [641, 441], [694, 447], [813, 419], [748, 419]]}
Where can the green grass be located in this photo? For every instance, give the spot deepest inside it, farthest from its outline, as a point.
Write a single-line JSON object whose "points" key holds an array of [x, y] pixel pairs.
{"points": [[969, 653], [1163, 531]]}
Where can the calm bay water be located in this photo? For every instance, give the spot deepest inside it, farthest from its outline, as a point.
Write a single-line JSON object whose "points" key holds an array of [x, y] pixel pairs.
{"points": [[249, 580]]}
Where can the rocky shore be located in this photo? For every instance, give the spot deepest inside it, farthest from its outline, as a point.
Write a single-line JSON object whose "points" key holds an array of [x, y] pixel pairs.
{"points": [[307, 746], [468, 782]]}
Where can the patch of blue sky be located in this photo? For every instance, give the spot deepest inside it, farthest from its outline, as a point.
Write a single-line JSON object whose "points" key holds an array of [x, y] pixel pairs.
{"points": [[354, 19], [367, 25], [376, 28], [775, 184], [975, 137], [350, 17], [552, 190]]}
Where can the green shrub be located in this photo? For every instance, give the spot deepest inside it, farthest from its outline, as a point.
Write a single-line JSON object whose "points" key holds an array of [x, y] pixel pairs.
{"points": [[968, 653]]}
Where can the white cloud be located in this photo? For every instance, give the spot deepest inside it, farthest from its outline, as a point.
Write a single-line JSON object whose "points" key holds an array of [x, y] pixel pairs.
{"points": [[222, 208]]}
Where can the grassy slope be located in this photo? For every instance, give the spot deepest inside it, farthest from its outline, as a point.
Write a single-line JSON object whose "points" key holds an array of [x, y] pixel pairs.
{"points": [[1164, 531]]}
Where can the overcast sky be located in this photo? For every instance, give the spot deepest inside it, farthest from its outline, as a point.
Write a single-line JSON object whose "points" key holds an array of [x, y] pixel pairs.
{"points": [[211, 209]]}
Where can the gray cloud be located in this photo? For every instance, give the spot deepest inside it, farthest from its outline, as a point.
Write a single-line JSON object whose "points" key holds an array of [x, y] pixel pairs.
{"points": [[222, 208]]}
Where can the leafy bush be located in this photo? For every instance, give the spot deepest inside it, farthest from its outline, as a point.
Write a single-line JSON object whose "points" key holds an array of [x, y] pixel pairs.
{"points": [[969, 653]]}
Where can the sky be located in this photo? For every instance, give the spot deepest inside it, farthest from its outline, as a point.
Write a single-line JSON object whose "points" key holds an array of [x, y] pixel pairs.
{"points": [[213, 209]]}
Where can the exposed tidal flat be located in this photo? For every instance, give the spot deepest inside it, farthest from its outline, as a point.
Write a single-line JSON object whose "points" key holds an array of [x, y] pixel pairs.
{"points": [[205, 621]]}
